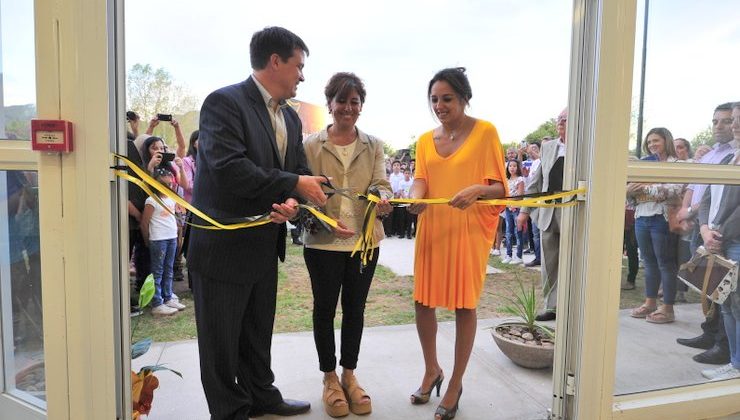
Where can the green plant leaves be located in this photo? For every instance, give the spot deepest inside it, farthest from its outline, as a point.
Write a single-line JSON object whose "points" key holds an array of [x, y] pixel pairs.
{"points": [[140, 347], [159, 367], [147, 292]]}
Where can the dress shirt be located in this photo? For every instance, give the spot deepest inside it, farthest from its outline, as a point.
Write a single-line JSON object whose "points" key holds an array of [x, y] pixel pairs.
{"points": [[719, 151], [275, 109]]}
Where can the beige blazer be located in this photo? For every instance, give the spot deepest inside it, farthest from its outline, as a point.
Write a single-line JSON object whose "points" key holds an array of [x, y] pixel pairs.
{"points": [[366, 170]]}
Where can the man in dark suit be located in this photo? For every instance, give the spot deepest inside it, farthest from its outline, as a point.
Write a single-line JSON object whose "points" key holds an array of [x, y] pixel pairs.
{"points": [[548, 178], [250, 161]]}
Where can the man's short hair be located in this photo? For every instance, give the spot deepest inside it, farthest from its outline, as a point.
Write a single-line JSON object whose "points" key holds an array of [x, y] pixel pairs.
{"points": [[536, 143], [727, 106], [273, 40], [396, 162]]}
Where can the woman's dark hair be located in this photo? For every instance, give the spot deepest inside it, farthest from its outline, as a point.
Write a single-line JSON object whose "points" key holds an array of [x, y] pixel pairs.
{"points": [[457, 79], [686, 144], [663, 132], [273, 40], [192, 151], [341, 84], [146, 156], [518, 168]]}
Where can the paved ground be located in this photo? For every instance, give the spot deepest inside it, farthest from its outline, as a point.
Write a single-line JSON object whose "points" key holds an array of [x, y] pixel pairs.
{"points": [[391, 367]]}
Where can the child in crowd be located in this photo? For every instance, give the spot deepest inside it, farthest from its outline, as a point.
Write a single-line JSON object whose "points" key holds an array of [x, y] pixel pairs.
{"points": [[159, 228], [516, 188], [405, 192]]}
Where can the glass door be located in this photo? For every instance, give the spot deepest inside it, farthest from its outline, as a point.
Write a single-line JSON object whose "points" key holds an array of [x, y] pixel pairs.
{"points": [[22, 365], [615, 359]]}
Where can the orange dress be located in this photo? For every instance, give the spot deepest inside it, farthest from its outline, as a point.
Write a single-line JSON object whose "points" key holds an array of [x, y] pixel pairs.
{"points": [[452, 245]]}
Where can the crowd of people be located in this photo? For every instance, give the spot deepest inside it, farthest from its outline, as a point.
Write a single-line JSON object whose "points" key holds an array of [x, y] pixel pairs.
{"points": [[666, 223], [251, 157]]}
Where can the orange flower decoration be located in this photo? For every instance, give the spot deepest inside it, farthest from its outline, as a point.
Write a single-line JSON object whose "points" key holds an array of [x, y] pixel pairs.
{"points": [[143, 385]]}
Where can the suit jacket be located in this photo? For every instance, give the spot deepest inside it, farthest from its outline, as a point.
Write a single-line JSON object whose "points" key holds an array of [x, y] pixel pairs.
{"points": [[541, 182], [239, 174]]}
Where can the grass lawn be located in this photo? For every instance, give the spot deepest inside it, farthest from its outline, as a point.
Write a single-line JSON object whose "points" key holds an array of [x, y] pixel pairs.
{"points": [[389, 302]]}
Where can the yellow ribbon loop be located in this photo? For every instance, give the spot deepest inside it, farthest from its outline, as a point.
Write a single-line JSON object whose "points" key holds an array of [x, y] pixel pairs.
{"points": [[147, 181], [365, 244]]}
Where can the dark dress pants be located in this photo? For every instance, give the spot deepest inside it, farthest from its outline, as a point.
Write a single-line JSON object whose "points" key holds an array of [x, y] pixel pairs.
{"points": [[332, 272], [235, 323]]}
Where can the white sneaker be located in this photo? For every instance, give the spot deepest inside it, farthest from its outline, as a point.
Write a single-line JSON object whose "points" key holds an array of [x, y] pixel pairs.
{"points": [[172, 303], [713, 373], [163, 310], [506, 260], [730, 374], [174, 297], [495, 252], [516, 261]]}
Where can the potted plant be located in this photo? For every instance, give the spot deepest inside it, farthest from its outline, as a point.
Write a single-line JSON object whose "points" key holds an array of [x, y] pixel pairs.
{"points": [[144, 382], [523, 340]]}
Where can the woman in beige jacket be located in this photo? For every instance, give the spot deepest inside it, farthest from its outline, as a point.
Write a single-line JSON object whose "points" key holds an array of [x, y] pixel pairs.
{"points": [[354, 161]]}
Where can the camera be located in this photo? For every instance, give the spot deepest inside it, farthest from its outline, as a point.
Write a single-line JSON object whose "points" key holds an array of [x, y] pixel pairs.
{"points": [[131, 116], [167, 158], [164, 117]]}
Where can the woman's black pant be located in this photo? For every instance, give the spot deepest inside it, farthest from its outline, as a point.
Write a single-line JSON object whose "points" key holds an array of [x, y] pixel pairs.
{"points": [[332, 272]]}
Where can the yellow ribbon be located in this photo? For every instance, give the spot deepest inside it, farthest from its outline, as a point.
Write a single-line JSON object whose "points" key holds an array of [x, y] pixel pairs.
{"points": [[366, 243], [146, 181]]}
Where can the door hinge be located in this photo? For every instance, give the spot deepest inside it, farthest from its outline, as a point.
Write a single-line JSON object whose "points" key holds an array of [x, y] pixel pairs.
{"points": [[581, 196], [570, 385]]}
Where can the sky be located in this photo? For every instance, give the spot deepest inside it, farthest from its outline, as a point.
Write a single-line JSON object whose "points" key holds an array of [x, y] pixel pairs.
{"points": [[517, 54]]}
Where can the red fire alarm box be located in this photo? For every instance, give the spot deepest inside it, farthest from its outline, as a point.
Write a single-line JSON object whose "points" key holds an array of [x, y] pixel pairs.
{"points": [[51, 135]]}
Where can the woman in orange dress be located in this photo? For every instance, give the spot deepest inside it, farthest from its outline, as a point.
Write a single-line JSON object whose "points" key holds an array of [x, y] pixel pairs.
{"points": [[462, 159]]}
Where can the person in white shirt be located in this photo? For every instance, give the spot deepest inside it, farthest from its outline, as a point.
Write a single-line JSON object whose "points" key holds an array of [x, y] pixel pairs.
{"points": [[398, 213], [405, 190], [159, 229]]}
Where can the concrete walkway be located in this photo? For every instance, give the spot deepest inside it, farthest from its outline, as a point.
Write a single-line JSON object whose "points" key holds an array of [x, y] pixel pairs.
{"points": [[391, 366]]}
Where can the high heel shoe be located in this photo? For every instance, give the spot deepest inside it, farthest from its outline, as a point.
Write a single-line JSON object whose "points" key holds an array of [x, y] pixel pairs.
{"points": [[421, 397], [448, 413]]}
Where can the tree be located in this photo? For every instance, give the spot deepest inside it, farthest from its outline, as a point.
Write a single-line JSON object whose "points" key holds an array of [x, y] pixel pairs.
{"points": [[703, 137], [150, 91], [388, 149], [547, 128]]}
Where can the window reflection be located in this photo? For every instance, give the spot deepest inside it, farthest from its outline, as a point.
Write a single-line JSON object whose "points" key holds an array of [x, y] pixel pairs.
{"points": [[17, 70], [681, 94], [20, 286], [671, 232]]}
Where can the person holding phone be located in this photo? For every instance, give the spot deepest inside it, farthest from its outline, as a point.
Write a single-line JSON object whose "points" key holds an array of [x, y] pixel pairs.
{"points": [[179, 138], [154, 155]]}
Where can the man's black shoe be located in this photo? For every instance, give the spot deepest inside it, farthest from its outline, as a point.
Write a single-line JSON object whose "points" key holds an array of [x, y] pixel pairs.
{"points": [[533, 263], [714, 356], [545, 316], [297, 242], [284, 408], [703, 341]]}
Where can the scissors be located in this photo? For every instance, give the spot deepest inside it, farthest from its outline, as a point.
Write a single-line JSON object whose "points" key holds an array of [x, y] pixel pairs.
{"points": [[344, 192]]}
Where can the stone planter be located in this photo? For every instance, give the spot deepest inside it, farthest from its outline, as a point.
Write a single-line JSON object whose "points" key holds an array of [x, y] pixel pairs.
{"points": [[532, 355], [32, 379]]}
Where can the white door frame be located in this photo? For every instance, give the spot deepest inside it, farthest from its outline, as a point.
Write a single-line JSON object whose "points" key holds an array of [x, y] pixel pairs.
{"points": [[591, 241]]}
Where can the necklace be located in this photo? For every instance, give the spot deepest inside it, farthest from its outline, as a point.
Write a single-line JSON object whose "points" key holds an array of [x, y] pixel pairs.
{"points": [[452, 133]]}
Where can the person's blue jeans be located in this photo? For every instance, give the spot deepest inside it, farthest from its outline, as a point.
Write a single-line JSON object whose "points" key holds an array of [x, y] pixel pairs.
{"points": [[511, 230], [162, 263], [658, 251], [731, 311]]}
